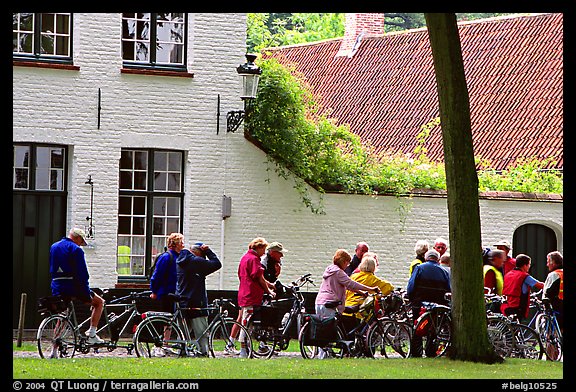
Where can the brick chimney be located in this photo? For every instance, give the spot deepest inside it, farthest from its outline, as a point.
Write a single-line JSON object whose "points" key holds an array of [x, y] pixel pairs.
{"points": [[359, 26]]}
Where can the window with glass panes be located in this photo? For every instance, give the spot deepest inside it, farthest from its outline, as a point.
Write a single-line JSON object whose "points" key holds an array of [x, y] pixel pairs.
{"points": [[42, 35], [154, 39], [150, 206], [38, 167]]}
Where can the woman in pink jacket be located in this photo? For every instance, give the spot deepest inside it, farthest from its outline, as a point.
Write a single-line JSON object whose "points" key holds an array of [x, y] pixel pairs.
{"points": [[335, 282]]}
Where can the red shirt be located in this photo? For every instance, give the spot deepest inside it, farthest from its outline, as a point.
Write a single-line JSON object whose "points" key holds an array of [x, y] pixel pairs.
{"points": [[509, 265], [250, 292]]}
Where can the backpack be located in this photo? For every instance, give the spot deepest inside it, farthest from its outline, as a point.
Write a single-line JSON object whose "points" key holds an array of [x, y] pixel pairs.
{"points": [[153, 267]]}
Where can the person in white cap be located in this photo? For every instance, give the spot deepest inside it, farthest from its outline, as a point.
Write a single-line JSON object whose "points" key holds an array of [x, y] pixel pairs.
{"points": [[272, 261], [70, 277], [429, 282], [510, 262]]}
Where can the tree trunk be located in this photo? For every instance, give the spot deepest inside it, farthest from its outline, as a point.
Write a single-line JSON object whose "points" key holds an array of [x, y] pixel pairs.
{"points": [[469, 337]]}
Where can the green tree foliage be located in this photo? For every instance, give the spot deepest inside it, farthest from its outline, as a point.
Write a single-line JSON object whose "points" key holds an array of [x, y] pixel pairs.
{"points": [[285, 121], [278, 29]]}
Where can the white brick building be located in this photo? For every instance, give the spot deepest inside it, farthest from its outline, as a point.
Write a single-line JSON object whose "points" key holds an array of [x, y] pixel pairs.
{"points": [[159, 110]]}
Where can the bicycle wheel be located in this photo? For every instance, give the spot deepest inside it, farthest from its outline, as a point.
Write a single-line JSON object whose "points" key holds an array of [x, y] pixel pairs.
{"points": [[222, 344], [159, 337], [500, 336], [526, 343], [309, 350], [550, 336], [263, 340], [56, 338], [376, 341], [437, 325], [399, 337]]}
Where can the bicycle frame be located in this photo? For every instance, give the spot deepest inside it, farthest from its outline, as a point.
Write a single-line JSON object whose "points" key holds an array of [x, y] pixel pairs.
{"points": [[170, 333], [80, 340]]}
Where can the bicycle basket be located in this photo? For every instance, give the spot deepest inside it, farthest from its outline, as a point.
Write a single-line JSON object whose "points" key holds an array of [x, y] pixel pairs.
{"points": [[391, 303], [51, 304], [367, 307], [321, 331], [269, 316]]}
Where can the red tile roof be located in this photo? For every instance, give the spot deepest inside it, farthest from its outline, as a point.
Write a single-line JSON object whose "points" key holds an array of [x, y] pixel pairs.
{"points": [[387, 90]]}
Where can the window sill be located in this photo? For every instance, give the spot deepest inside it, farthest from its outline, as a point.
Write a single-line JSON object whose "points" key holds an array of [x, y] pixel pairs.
{"points": [[155, 72], [39, 64]]}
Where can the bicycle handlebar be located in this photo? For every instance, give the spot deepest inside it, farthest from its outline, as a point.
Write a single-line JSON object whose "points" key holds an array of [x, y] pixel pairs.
{"points": [[132, 295]]}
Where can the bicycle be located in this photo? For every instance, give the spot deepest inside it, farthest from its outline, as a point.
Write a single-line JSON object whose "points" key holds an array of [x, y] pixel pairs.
{"points": [[167, 334], [509, 337], [59, 333], [369, 338], [270, 325], [434, 327], [544, 322], [393, 329]]}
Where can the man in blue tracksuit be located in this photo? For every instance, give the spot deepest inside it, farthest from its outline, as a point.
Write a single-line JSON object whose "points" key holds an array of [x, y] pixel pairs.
{"points": [[70, 277], [192, 267], [428, 282]]}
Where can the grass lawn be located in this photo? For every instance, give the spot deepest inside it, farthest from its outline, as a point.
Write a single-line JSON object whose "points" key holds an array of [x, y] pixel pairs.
{"points": [[280, 368]]}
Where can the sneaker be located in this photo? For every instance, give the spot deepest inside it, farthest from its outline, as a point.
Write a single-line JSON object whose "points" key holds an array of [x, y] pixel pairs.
{"points": [[94, 339], [243, 353], [231, 350], [158, 352]]}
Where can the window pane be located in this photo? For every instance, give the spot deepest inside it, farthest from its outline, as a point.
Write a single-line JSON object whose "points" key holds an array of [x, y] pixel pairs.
{"points": [[128, 50], [57, 158], [62, 47], [172, 225], [160, 161], [47, 44], [20, 179], [173, 204], [158, 244], [175, 161], [140, 180], [140, 160], [126, 159], [173, 181], [21, 156], [142, 52], [137, 265], [124, 226], [138, 245], [139, 206], [124, 205], [160, 181], [47, 23], [43, 157], [125, 180], [159, 206], [158, 226], [63, 24], [138, 225], [56, 180], [25, 21], [42, 179]]}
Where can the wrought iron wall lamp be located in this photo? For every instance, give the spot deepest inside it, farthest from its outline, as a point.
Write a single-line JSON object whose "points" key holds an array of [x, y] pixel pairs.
{"points": [[250, 74]]}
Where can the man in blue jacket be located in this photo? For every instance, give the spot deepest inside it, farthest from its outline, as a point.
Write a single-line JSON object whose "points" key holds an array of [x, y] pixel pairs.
{"points": [[70, 277], [192, 267], [428, 283]]}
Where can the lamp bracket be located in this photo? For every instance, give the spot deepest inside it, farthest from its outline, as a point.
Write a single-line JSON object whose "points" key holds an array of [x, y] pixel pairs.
{"points": [[233, 120]]}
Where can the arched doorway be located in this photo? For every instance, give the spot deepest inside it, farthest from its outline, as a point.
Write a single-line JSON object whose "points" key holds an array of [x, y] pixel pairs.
{"points": [[535, 241]]}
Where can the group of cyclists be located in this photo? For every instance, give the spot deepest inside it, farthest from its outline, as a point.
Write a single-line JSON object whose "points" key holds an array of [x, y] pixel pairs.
{"points": [[345, 280]]}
